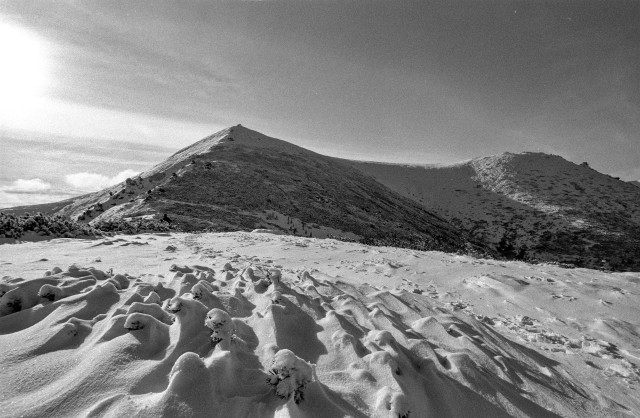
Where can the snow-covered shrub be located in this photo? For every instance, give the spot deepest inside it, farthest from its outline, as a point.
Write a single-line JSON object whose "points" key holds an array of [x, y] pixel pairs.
{"points": [[222, 328], [289, 375]]}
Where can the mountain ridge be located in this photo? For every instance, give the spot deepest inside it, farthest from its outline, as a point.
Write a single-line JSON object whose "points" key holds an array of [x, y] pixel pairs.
{"points": [[240, 179], [530, 205]]}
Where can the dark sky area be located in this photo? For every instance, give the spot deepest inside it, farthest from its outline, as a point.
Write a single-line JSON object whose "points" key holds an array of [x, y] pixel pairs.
{"points": [[400, 81]]}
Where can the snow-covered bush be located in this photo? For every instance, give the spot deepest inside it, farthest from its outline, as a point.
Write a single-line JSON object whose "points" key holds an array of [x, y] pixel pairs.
{"points": [[289, 375], [221, 326]]}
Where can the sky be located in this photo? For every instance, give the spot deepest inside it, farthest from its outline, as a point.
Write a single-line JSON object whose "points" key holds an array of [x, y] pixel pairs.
{"points": [[91, 92]]}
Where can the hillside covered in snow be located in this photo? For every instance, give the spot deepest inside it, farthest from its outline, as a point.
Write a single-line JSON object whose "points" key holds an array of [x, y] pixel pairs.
{"points": [[530, 206]]}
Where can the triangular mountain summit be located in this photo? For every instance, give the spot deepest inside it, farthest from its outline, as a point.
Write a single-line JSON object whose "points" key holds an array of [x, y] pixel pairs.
{"points": [[240, 179], [529, 206]]}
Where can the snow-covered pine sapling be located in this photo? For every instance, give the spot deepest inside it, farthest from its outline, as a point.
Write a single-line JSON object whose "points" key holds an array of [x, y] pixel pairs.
{"points": [[276, 298], [221, 326], [289, 375], [200, 289], [53, 293], [134, 322], [50, 292], [274, 276], [151, 309], [393, 401], [4, 288], [174, 306]]}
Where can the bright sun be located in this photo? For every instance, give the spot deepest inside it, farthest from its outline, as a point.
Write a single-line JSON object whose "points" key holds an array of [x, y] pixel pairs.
{"points": [[23, 72]]}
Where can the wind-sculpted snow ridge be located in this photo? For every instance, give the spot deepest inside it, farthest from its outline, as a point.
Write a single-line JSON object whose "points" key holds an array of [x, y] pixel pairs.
{"points": [[254, 340]]}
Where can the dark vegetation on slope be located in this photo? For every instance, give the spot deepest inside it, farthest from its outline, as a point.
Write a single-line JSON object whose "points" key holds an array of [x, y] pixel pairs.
{"points": [[135, 226], [244, 181], [15, 227], [237, 178], [530, 206], [12, 226], [569, 213]]}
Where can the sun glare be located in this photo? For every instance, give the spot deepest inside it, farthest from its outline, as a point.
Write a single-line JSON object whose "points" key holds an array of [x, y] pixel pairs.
{"points": [[23, 72]]}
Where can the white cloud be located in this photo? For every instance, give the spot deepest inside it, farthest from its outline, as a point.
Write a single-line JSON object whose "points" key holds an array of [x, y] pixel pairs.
{"points": [[90, 182], [27, 186]]}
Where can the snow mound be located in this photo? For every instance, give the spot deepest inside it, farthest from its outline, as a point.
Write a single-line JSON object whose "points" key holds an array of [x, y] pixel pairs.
{"points": [[247, 338], [289, 375]]}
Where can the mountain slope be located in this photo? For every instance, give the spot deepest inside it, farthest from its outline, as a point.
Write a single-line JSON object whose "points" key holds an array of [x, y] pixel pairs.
{"points": [[531, 205], [239, 179]]}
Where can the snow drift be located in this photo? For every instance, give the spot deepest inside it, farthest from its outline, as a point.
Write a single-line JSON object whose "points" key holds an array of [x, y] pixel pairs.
{"points": [[242, 337]]}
